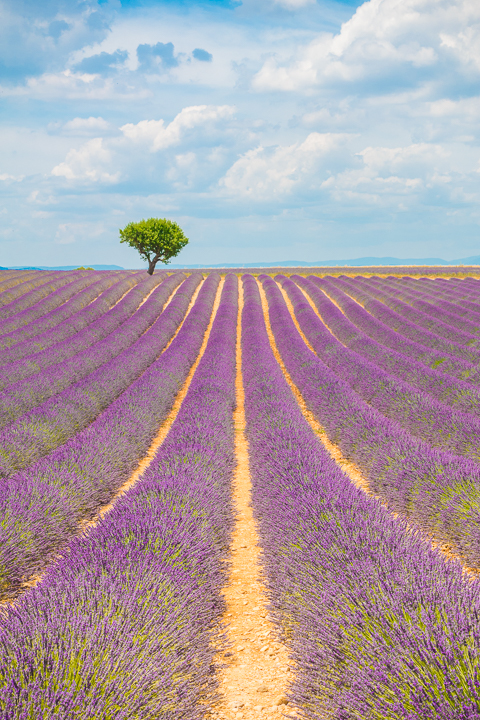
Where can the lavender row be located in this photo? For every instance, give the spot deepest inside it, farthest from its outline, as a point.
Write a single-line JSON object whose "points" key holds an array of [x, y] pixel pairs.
{"points": [[15, 277], [445, 319], [376, 298], [28, 294], [379, 624], [447, 299], [82, 329], [23, 324], [141, 593], [54, 421], [458, 290], [446, 304], [20, 397], [383, 334], [41, 507], [456, 393], [75, 300], [415, 410], [400, 324], [30, 282], [414, 305], [437, 490]]}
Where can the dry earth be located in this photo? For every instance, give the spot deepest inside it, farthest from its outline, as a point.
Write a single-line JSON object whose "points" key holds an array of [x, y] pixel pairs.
{"points": [[256, 670]]}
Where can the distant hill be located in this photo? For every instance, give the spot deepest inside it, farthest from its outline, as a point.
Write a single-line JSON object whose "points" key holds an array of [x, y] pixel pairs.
{"points": [[368, 261], [64, 267]]}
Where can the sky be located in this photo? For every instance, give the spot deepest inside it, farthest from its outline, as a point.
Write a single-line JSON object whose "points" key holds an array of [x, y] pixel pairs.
{"points": [[269, 130]]}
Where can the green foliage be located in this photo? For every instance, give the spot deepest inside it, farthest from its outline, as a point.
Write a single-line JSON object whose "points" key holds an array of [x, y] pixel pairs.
{"points": [[156, 239]]}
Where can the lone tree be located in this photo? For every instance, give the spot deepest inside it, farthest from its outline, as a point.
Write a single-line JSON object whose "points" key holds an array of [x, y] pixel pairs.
{"points": [[155, 239]]}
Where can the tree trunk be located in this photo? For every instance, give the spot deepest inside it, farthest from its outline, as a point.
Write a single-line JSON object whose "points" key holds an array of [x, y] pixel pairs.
{"points": [[151, 266]]}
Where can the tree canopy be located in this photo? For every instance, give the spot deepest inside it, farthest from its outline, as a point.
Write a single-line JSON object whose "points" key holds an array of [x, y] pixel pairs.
{"points": [[156, 239]]}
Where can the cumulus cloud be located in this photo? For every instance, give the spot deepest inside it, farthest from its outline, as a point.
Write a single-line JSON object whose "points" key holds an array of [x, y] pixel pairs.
{"points": [[404, 41], [269, 173], [103, 63], [108, 161], [159, 136], [399, 176], [202, 55], [156, 58], [88, 163], [82, 126]]}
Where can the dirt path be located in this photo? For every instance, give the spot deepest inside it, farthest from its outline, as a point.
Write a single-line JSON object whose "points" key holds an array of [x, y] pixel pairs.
{"points": [[256, 669], [156, 443]]}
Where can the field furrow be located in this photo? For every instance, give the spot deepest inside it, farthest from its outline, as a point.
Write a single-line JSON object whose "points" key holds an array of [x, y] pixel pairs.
{"points": [[82, 329], [20, 397], [37, 298], [380, 624], [53, 422], [42, 507], [449, 390], [255, 672], [141, 592], [437, 490], [409, 323], [385, 335], [421, 415], [63, 313], [53, 308]]}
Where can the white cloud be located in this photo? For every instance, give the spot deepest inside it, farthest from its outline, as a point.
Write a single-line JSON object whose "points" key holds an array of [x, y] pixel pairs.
{"points": [[5, 177], [382, 37], [268, 173], [82, 126], [88, 163], [160, 136], [103, 160], [389, 175]]}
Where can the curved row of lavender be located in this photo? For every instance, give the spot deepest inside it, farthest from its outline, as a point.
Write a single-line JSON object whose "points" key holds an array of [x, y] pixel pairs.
{"points": [[454, 290], [401, 325], [438, 490], [126, 625], [41, 281], [72, 303], [459, 302], [22, 325], [9, 279], [441, 309], [415, 410], [379, 624], [385, 335], [419, 312], [42, 506], [20, 397], [38, 296], [90, 324], [463, 296], [53, 422], [447, 389]]}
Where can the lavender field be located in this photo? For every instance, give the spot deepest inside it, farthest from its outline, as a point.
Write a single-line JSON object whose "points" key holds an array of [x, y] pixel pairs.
{"points": [[144, 419]]}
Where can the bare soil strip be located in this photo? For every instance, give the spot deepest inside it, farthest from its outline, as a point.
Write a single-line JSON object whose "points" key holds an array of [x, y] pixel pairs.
{"points": [[85, 525], [255, 672], [352, 470]]}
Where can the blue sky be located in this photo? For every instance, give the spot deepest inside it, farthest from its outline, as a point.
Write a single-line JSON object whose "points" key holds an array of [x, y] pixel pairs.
{"points": [[268, 129]]}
